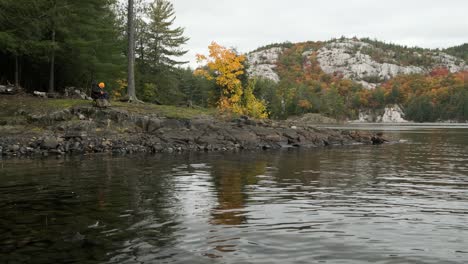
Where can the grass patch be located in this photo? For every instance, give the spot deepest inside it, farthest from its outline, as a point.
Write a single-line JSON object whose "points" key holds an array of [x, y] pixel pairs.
{"points": [[10, 106], [168, 111], [57, 104]]}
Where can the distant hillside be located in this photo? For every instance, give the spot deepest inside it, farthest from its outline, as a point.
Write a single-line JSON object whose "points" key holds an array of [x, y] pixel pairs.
{"points": [[365, 61], [459, 51], [347, 78]]}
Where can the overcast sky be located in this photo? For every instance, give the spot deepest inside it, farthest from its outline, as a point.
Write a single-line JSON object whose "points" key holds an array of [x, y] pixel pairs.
{"points": [[248, 24]]}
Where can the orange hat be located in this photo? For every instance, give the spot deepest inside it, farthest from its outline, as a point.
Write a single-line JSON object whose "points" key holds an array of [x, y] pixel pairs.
{"points": [[102, 85]]}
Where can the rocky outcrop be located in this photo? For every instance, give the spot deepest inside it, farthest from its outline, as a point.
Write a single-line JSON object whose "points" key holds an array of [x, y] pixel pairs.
{"points": [[310, 118], [91, 130], [347, 57], [378, 139], [391, 114], [444, 60], [350, 57], [75, 93], [101, 103], [263, 63], [340, 57], [8, 89]]}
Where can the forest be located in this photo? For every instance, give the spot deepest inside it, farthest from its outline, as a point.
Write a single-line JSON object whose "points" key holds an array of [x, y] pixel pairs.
{"points": [[48, 45]]}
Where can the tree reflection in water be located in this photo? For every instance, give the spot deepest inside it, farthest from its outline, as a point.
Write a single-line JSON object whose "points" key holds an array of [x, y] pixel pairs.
{"points": [[230, 178]]}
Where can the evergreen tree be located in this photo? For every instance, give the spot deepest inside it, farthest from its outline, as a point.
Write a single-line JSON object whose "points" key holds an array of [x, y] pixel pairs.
{"points": [[21, 31], [164, 41], [420, 109], [196, 89], [94, 42], [71, 42], [158, 46], [333, 104]]}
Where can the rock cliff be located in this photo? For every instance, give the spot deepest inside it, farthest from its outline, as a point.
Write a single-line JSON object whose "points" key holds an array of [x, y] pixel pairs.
{"points": [[263, 63], [351, 58], [391, 114], [360, 61]]}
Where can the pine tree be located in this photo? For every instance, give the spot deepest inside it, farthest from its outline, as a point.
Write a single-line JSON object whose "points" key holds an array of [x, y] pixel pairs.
{"points": [[92, 46], [21, 30], [71, 42], [158, 46], [164, 41]]}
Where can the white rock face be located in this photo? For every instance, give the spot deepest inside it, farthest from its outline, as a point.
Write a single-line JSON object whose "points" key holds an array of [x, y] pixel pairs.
{"points": [[392, 114], [365, 116], [345, 56], [450, 62], [263, 63]]}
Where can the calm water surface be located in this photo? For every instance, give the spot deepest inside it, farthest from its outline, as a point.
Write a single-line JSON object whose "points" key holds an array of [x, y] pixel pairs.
{"points": [[396, 203]]}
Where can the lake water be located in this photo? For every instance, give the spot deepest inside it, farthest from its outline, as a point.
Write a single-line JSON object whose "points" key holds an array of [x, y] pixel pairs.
{"points": [[404, 202]]}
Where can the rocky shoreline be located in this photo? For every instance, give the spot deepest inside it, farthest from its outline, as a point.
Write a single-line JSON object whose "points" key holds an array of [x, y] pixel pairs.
{"points": [[87, 129]]}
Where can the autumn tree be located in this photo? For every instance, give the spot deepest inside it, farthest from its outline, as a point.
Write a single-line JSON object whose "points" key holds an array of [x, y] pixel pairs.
{"points": [[251, 105], [226, 67]]}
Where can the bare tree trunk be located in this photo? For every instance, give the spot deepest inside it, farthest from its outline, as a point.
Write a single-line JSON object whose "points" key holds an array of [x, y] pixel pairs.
{"points": [[16, 71], [131, 52], [52, 66], [52, 56]]}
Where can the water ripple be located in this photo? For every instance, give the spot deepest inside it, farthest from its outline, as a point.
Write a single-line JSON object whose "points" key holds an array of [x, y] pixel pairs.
{"points": [[398, 203]]}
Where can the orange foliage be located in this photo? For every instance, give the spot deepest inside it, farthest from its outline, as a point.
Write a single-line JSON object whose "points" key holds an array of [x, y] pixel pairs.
{"points": [[225, 66], [439, 72], [305, 104]]}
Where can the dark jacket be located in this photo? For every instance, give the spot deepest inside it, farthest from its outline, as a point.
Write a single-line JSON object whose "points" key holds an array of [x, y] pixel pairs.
{"points": [[95, 91]]}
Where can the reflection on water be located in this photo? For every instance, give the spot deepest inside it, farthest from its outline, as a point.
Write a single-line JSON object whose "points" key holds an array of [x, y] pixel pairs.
{"points": [[397, 203]]}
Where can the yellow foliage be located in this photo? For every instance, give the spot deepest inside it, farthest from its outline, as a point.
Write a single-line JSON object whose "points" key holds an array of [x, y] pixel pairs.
{"points": [[252, 106], [225, 66], [122, 84]]}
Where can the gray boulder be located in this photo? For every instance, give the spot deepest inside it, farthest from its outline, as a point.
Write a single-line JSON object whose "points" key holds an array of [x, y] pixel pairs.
{"points": [[75, 93], [102, 103], [9, 89], [153, 125], [49, 143]]}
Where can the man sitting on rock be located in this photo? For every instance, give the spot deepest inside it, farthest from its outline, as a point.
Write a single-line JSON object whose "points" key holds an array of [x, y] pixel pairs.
{"points": [[97, 91]]}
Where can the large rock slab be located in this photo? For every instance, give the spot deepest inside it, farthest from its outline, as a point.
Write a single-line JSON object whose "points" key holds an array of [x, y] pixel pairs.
{"points": [[102, 103]]}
